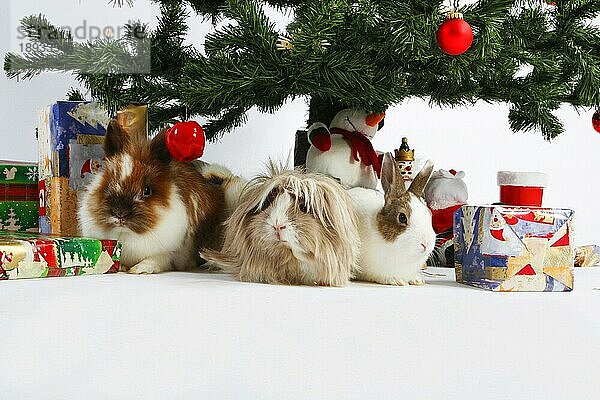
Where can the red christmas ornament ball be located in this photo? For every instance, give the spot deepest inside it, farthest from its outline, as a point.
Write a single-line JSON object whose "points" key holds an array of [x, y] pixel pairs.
{"points": [[596, 121], [185, 141], [455, 35]]}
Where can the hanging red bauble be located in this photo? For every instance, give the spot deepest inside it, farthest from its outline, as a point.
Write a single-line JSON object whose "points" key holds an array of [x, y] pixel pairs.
{"points": [[185, 141], [455, 35], [596, 121]]}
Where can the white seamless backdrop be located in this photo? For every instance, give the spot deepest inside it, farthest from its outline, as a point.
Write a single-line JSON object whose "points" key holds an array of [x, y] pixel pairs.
{"points": [[474, 139]]}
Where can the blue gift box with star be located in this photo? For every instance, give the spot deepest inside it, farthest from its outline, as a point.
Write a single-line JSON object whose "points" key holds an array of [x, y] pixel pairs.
{"points": [[70, 150]]}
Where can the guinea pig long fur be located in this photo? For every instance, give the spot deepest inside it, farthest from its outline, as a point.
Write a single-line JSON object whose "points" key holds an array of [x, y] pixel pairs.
{"points": [[291, 228]]}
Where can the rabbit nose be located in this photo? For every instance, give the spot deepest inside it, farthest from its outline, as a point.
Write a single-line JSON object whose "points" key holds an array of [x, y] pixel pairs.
{"points": [[120, 207], [120, 212]]}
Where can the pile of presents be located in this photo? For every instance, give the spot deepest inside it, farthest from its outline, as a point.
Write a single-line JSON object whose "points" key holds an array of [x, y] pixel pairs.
{"points": [[38, 208]]}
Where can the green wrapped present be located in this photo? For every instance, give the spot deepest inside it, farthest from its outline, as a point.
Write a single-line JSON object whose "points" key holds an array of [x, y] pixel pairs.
{"points": [[19, 209], [34, 256]]}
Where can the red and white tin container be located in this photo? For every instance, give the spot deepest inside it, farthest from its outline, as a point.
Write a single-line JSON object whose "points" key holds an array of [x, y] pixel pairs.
{"points": [[522, 188]]}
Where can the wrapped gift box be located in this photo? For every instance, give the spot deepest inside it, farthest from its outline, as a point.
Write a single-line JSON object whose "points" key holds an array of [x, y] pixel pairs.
{"points": [[70, 146], [18, 196], [504, 248], [33, 256], [71, 152], [587, 256]]}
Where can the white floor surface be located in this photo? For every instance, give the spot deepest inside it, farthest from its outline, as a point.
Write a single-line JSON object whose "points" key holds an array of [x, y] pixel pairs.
{"points": [[205, 336]]}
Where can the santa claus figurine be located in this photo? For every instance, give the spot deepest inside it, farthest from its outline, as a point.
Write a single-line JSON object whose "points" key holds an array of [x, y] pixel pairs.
{"points": [[445, 193]]}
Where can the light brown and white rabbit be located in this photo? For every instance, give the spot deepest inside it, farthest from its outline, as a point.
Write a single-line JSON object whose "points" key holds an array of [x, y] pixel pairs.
{"points": [[396, 233], [291, 228], [161, 210]]}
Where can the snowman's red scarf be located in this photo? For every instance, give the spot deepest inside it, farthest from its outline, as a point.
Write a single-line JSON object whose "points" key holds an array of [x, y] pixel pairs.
{"points": [[361, 146]]}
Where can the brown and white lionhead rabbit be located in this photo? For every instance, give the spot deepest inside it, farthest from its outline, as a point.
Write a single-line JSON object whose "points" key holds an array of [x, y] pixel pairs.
{"points": [[291, 228], [160, 209]]}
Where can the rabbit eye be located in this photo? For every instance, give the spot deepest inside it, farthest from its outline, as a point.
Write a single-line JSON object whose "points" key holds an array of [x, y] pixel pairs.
{"points": [[147, 191], [402, 218]]}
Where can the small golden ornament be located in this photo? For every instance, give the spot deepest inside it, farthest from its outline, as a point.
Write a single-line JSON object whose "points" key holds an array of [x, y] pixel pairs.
{"points": [[284, 43]]}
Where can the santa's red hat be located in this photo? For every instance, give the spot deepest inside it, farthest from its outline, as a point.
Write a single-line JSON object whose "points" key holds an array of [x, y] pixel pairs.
{"points": [[86, 168], [522, 188]]}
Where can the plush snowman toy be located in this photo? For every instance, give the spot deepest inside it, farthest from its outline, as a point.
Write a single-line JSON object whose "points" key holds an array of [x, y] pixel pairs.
{"points": [[344, 149]]}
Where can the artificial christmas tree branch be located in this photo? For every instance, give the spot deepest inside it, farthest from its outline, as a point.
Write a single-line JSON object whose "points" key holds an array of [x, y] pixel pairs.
{"points": [[337, 53]]}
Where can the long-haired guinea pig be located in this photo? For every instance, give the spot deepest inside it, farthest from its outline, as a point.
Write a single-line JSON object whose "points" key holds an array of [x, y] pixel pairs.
{"points": [[291, 228], [161, 210]]}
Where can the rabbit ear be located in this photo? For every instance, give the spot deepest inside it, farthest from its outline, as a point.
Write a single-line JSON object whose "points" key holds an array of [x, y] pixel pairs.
{"points": [[159, 149], [114, 142], [390, 176], [418, 184]]}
